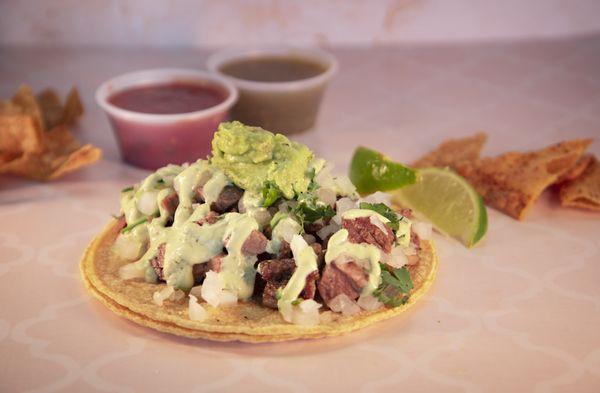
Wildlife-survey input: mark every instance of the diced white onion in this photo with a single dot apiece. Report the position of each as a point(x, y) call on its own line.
point(127, 247)
point(343, 304)
point(378, 197)
point(146, 203)
point(344, 185)
point(262, 216)
point(369, 302)
point(307, 313)
point(159, 296)
point(397, 258)
point(344, 204)
point(324, 178)
point(213, 293)
point(130, 271)
point(287, 228)
point(422, 229)
point(195, 311)
point(326, 195)
point(327, 230)
point(286, 206)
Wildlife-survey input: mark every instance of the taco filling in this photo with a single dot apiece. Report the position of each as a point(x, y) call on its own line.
point(263, 220)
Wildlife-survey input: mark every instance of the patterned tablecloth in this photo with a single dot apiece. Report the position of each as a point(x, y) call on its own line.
point(519, 313)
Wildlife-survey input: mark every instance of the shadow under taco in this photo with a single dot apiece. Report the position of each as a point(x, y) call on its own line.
point(259, 243)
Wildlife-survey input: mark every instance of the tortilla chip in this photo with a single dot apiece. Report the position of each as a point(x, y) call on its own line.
point(64, 156)
point(73, 108)
point(244, 321)
point(453, 151)
point(583, 191)
point(576, 170)
point(19, 134)
point(25, 100)
point(53, 111)
point(512, 182)
point(34, 139)
point(51, 107)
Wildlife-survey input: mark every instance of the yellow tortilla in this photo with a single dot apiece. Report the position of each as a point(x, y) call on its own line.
point(245, 321)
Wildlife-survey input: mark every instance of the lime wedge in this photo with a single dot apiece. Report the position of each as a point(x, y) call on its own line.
point(371, 171)
point(445, 199)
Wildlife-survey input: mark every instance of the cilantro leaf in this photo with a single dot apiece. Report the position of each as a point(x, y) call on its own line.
point(134, 224)
point(270, 193)
point(309, 209)
point(385, 211)
point(395, 286)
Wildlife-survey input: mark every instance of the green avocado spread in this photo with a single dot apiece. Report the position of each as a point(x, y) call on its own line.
point(252, 157)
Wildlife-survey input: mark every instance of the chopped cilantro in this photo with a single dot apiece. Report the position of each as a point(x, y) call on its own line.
point(129, 227)
point(127, 189)
point(309, 209)
point(385, 211)
point(297, 301)
point(160, 181)
point(395, 286)
point(270, 193)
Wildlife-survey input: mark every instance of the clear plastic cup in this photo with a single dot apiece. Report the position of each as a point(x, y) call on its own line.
point(151, 141)
point(285, 107)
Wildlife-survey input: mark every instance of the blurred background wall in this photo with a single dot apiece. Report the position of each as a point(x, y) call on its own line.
point(188, 23)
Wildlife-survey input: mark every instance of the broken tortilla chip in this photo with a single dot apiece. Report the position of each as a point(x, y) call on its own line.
point(19, 134)
point(26, 102)
point(453, 151)
point(512, 182)
point(576, 170)
point(583, 191)
point(51, 107)
point(73, 108)
point(53, 111)
point(34, 139)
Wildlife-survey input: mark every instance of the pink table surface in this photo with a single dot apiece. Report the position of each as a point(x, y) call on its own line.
point(521, 312)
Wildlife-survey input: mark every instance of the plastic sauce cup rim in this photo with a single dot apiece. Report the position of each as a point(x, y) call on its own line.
point(155, 76)
point(219, 58)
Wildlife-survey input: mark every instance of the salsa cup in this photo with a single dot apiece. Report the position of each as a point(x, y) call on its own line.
point(285, 107)
point(149, 140)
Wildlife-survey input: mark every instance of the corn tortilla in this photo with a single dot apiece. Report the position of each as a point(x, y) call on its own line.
point(245, 321)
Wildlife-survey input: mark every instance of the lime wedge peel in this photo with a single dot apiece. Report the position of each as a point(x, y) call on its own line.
point(371, 171)
point(448, 201)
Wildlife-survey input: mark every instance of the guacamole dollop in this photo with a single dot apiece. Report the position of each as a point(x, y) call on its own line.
point(252, 157)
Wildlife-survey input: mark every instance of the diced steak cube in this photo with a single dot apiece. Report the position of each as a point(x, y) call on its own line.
point(255, 243)
point(199, 270)
point(362, 230)
point(210, 218)
point(157, 262)
point(170, 203)
point(228, 198)
point(276, 273)
point(344, 278)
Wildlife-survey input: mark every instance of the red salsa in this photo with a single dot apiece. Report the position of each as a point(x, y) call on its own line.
point(169, 98)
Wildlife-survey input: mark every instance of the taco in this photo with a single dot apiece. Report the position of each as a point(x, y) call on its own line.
point(259, 242)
